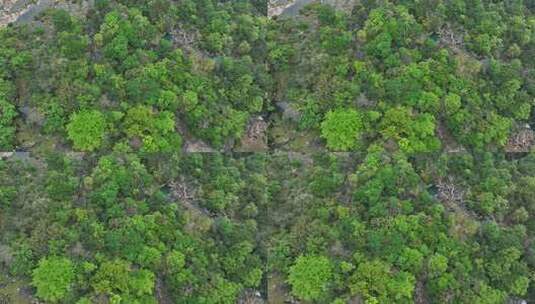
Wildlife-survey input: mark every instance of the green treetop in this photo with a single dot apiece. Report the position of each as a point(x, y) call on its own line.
point(310, 276)
point(87, 129)
point(341, 128)
point(53, 278)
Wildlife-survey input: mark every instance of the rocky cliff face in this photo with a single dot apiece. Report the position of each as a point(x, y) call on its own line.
point(10, 10)
point(25, 10)
point(277, 7)
point(292, 7)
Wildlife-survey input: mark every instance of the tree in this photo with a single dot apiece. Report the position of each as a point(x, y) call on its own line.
point(53, 278)
point(156, 130)
point(149, 257)
point(413, 132)
point(112, 277)
point(310, 276)
point(223, 291)
point(341, 128)
point(118, 279)
point(377, 283)
point(410, 260)
point(7, 131)
point(7, 115)
point(175, 261)
point(452, 103)
point(87, 129)
point(437, 265)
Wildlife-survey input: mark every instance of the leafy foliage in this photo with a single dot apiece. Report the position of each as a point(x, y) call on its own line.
point(310, 277)
point(341, 128)
point(53, 278)
point(87, 130)
point(156, 130)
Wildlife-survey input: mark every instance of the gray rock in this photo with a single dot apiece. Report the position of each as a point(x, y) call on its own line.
point(197, 146)
point(32, 115)
point(26, 10)
point(288, 111)
point(292, 7)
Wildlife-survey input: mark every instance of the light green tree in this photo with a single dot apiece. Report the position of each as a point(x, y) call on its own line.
point(310, 276)
point(86, 129)
point(53, 278)
point(342, 129)
point(377, 283)
point(156, 130)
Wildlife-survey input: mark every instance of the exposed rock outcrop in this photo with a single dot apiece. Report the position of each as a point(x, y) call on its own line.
point(10, 10)
point(255, 137)
point(26, 10)
point(523, 140)
point(292, 7)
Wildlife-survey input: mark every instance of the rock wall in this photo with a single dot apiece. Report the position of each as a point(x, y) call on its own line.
point(25, 10)
point(292, 7)
point(10, 10)
point(277, 7)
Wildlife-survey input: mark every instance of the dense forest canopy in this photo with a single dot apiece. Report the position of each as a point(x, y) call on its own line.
point(199, 151)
